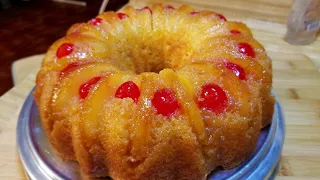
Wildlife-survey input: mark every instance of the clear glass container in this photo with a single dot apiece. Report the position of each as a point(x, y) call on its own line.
point(303, 22)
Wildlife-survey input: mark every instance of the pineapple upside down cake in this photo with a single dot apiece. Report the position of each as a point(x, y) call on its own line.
point(155, 93)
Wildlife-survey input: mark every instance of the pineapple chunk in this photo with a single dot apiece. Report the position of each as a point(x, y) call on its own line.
point(94, 103)
point(84, 47)
point(66, 99)
point(210, 73)
point(186, 98)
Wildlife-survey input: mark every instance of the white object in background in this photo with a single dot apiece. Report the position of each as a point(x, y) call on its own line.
point(103, 6)
point(303, 22)
point(79, 3)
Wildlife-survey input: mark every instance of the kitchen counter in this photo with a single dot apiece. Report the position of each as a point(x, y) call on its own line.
point(296, 81)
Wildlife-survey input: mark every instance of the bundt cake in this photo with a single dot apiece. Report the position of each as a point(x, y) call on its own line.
point(155, 93)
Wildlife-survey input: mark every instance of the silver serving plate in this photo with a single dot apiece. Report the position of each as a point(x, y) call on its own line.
point(40, 162)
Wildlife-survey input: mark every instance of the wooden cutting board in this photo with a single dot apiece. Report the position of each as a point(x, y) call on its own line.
point(296, 82)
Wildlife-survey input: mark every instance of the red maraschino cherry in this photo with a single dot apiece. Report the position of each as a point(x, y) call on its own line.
point(128, 90)
point(165, 102)
point(213, 98)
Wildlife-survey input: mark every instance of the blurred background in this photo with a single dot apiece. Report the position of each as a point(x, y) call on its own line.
point(29, 27)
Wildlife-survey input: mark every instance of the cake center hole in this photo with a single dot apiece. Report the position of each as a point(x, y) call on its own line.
point(154, 55)
point(149, 60)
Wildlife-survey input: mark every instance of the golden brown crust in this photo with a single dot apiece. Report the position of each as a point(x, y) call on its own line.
point(130, 140)
point(91, 163)
point(267, 112)
point(58, 132)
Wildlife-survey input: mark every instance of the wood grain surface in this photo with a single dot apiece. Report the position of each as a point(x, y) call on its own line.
point(296, 82)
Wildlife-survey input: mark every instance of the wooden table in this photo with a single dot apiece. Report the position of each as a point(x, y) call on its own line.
point(296, 82)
